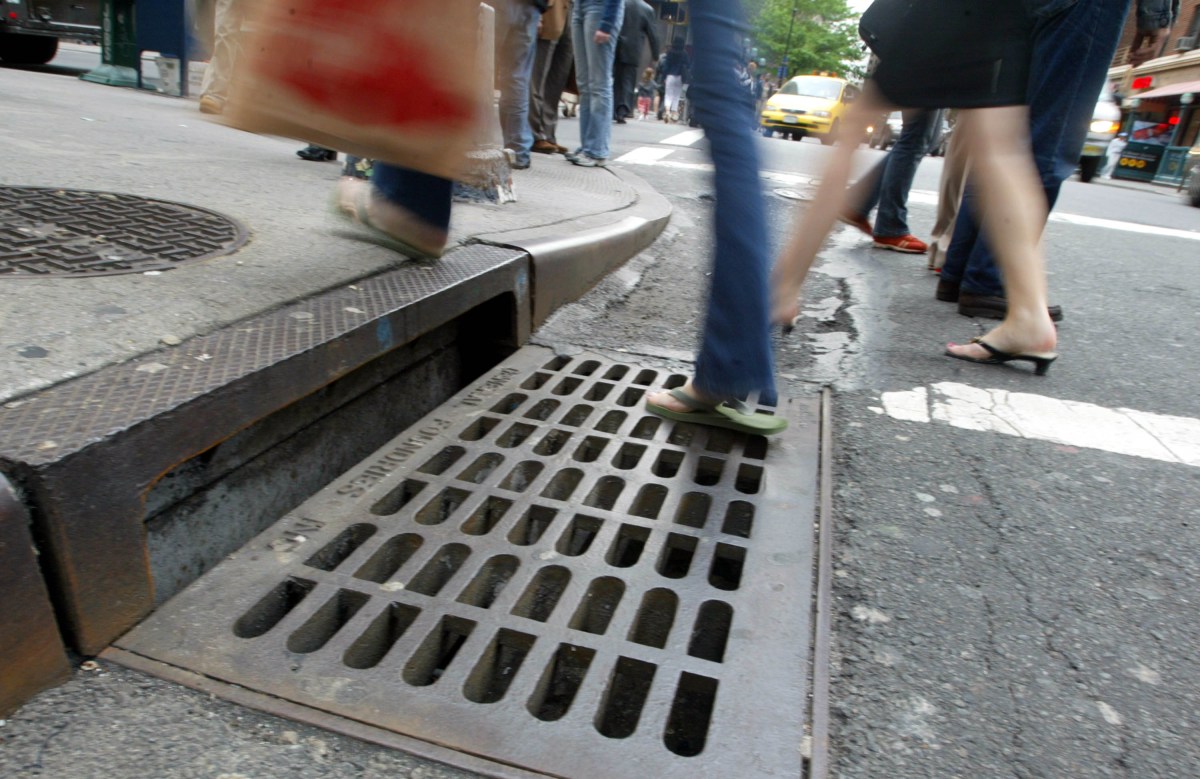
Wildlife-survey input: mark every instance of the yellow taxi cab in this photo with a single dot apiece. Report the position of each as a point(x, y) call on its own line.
point(812, 104)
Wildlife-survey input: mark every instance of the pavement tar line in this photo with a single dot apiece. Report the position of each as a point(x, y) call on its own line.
point(1036, 417)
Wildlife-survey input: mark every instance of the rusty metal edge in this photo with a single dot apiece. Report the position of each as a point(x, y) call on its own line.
point(279, 707)
point(818, 767)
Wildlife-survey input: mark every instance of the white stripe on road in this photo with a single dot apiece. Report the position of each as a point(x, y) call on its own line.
point(647, 155)
point(684, 138)
point(1122, 430)
point(928, 198)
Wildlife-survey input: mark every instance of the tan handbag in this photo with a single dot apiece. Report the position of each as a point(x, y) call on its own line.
point(555, 20)
point(387, 81)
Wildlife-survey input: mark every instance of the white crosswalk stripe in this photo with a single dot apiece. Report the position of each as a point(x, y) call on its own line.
point(1072, 423)
point(650, 155)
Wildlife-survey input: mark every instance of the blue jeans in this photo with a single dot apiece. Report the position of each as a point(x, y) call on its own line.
point(593, 72)
point(516, 45)
point(1073, 47)
point(888, 183)
point(735, 351)
point(421, 194)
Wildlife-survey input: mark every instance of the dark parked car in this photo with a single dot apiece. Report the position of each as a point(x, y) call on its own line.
point(29, 32)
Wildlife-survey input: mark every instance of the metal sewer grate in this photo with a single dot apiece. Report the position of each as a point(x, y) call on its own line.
point(542, 574)
point(69, 232)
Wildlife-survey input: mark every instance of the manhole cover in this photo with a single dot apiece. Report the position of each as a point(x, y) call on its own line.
point(537, 573)
point(70, 232)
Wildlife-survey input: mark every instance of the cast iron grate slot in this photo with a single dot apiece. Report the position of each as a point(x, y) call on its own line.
point(532, 526)
point(389, 558)
point(398, 498)
point(649, 501)
point(478, 471)
point(522, 476)
point(739, 519)
point(691, 713)
point(693, 510)
point(627, 547)
point(435, 654)
point(599, 603)
point(579, 535)
point(273, 607)
point(539, 553)
point(335, 552)
point(711, 632)
point(560, 682)
point(438, 572)
point(515, 435)
point(487, 516)
point(378, 639)
point(442, 461)
point(542, 596)
point(624, 697)
point(491, 580)
point(326, 622)
point(676, 556)
point(727, 565)
point(655, 617)
point(498, 666)
point(442, 507)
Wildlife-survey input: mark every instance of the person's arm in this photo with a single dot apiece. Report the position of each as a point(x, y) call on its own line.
point(608, 22)
point(651, 34)
point(1154, 20)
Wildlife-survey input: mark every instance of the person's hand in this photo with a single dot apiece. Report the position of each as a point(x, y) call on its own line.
point(1146, 45)
point(601, 37)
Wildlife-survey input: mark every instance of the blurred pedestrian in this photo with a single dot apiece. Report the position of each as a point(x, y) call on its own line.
point(228, 16)
point(646, 90)
point(594, 28)
point(404, 209)
point(552, 66)
point(735, 360)
point(675, 72)
point(1113, 155)
point(977, 58)
point(888, 183)
point(1072, 49)
point(516, 39)
point(637, 29)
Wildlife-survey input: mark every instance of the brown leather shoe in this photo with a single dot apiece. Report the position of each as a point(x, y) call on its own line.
point(545, 147)
point(947, 291)
point(561, 149)
point(992, 306)
point(211, 104)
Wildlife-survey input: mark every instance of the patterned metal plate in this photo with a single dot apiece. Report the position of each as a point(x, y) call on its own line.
point(70, 232)
point(542, 574)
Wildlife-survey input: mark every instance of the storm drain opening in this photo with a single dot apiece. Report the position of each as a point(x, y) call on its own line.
point(604, 593)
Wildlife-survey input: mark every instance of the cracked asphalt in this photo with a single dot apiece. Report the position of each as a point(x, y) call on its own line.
point(1005, 607)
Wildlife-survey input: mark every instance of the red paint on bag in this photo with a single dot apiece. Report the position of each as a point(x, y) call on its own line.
point(386, 80)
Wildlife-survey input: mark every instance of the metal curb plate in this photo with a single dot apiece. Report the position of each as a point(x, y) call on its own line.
point(542, 574)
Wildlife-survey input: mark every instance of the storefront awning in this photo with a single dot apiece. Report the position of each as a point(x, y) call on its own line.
point(1170, 90)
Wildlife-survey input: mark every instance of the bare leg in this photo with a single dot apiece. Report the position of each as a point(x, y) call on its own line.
point(1013, 211)
point(818, 219)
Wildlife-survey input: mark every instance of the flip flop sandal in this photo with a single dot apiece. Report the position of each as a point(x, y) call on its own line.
point(356, 211)
point(729, 414)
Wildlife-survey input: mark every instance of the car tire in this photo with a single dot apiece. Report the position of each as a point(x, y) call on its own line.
point(828, 138)
point(1088, 168)
point(1194, 188)
point(19, 49)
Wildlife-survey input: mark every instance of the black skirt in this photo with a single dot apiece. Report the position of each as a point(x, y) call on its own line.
point(950, 53)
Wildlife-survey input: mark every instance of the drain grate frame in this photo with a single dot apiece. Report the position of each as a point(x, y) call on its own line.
point(51, 232)
point(540, 574)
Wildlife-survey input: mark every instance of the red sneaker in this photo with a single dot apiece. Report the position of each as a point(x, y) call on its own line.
point(902, 243)
point(856, 220)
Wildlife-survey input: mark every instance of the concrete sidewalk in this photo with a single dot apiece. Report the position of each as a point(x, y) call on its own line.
point(569, 227)
point(61, 132)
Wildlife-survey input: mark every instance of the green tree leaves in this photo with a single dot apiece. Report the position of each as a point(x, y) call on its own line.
point(824, 35)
